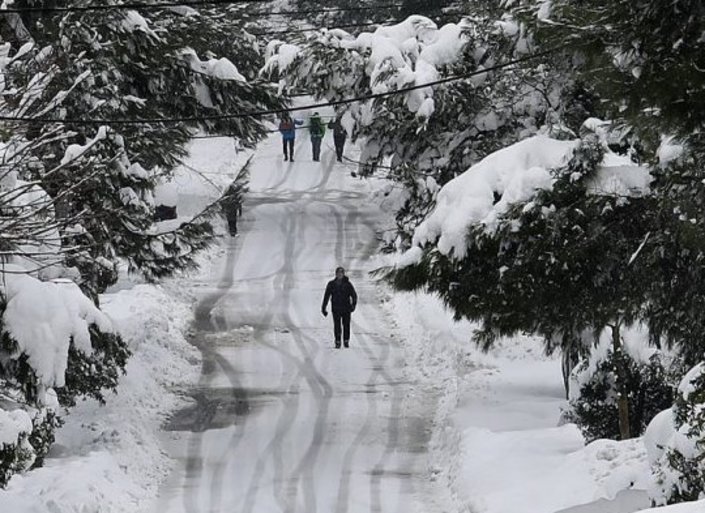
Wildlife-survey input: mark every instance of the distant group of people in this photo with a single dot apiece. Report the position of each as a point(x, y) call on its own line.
point(317, 130)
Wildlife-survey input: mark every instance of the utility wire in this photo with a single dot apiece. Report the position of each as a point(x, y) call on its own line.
point(252, 114)
point(126, 5)
point(185, 3)
point(351, 25)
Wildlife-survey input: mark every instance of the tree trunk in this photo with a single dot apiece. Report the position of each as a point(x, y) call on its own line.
point(622, 393)
point(569, 359)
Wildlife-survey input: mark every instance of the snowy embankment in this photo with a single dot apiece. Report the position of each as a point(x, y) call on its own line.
point(110, 458)
point(497, 443)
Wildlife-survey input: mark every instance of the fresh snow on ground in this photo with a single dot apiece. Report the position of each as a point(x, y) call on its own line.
point(498, 443)
point(688, 507)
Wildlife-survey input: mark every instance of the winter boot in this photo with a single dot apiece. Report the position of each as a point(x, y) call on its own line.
point(346, 343)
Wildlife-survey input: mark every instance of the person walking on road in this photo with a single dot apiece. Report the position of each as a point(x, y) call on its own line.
point(287, 127)
point(340, 135)
point(231, 203)
point(317, 130)
point(343, 300)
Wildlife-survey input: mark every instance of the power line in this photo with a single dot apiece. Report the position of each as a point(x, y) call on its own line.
point(185, 3)
point(252, 114)
point(127, 5)
point(351, 25)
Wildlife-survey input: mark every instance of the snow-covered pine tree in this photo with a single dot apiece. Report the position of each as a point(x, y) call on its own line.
point(76, 195)
point(53, 340)
point(428, 136)
point(555, 263)
point(135, 68)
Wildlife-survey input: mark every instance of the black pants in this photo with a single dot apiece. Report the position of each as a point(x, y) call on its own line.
point(316, 147)
point(341, 322)
point(339, 148)
point(232, 222)
point(288, 145)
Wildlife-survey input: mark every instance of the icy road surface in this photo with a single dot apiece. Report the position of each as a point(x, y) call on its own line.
point(281, 421)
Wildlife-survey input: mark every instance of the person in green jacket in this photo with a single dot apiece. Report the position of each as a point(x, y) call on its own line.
point(317, 130)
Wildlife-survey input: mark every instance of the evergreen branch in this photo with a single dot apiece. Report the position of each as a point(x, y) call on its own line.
point(270, 112)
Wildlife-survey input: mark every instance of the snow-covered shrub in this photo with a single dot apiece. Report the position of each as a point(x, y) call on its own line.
point(593, 404)
point(675, 441)
point(25, 438)
point(91, 374)
point(55, 346)
point(16, 453)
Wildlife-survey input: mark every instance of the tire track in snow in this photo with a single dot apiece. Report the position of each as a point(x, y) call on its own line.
point(290, 407)
point(378, 363)
point(204, 324)
point(320, 387)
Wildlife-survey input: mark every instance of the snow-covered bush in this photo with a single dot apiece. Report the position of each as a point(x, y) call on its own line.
point(26, 434)
point(593, 403)
point(55, 346)
point(16, 453)
point(675, 441)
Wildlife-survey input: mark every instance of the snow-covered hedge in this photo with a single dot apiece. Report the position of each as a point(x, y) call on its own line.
point(675, 441)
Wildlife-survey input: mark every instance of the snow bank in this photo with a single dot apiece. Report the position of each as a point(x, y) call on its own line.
point(514, 174)
point(496, 446)
point(109, 459)
point(527, 471)
point(93, 483)
point(44, 317)
point(688, 507)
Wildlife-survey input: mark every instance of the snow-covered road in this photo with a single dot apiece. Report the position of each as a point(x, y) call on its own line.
point(282, 421)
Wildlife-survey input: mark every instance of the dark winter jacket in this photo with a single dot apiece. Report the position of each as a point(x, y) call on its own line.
point(288, 129)
point(316, 127)
point(231, 202)
point(342, 295)
point(339, 133)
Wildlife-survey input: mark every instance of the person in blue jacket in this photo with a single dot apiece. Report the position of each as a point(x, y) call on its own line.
point(287, 127)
